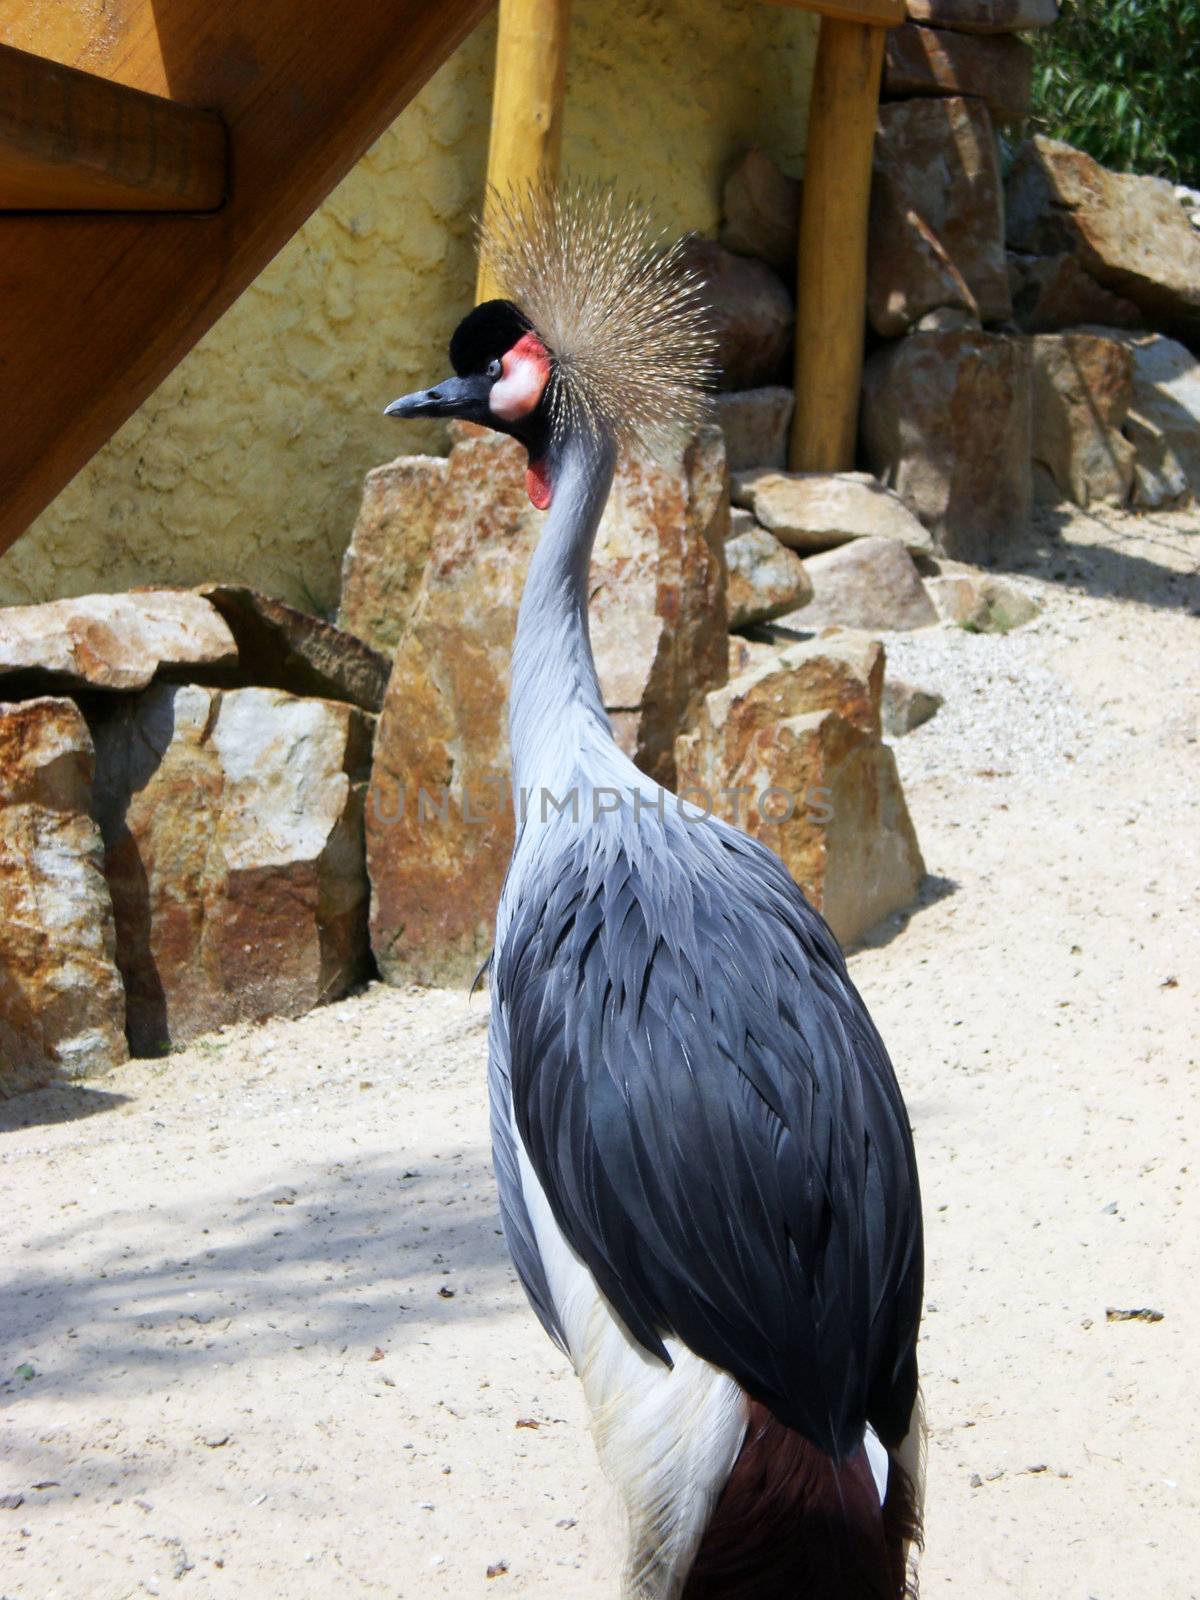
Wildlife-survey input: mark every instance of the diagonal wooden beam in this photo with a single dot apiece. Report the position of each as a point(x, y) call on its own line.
point(71, 141)
point(98, 308)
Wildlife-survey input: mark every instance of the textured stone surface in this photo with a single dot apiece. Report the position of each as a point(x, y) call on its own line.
point(232, 824)
point(762, 212)
point(62, 1008)
point(791, 751)
point(813, 511)
point(1082, 387)
point(658, 628)
point(403, 502)
point(1053, 293)
point(981, 602)
point(871, 583)
point(247, 463)
point(281, 648)
point(111, 641)
point(1130, 233)
point(937, 223)
point(765, 578)
point(985, 16)
point(751, 311)
point(998, 71)
point(946, 422)
point(905, 707)
point(1164, 420)
point(755, 423)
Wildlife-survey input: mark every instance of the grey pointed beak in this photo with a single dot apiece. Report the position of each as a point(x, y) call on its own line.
point(453, 397)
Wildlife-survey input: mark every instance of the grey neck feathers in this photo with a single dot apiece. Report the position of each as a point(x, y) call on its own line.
point(556, 708)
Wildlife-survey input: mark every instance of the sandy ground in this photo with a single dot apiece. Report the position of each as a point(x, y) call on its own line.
point(260, 1338)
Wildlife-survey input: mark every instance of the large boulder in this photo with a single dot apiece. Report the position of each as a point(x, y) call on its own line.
point(937, 223)
point(762, 212)
point(1082, 387)
point(755, 423)
point(281, 648)
point(869, 584)
point(62, 1009)
point(813, 511)
point(946, 422)
point(751, 312)
point(1129, 233)
point(1163, 423)
point(112, 641)
point(232, 826)
point(985, 16)
point(1053, 293)
point(937, 61)
point(791, 752)
point(439, 816)
point(402, 507)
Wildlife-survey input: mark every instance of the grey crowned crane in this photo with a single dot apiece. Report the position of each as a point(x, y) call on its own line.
point(706, 1172)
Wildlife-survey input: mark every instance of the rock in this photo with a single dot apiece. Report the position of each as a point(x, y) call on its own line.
point(1053, 293)
point(751, 312)
point(659, 633)
point(981, 602)
point(111, 641)
point(281, 648)
point(905, 707)
point(755, 423)
point(762, 212)
point(946, 422)
point(232, 825)
point(791, 752)
point(765, 579)
point(936, 61)
point(1164, 420)
point(869, 584)
point(1127, 232)
point(937, 224)
point(945, 319)
point(62, 1008)
point(985, 16)
point(746, 653)
point(402, 507)
point(813, 511)
point(1082, 387)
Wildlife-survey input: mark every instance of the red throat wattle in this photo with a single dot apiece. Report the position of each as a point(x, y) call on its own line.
point(537, 483)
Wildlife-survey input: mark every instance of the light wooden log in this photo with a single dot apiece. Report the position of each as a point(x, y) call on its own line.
point(831, 274)
point(881, 13)
point(98, 308)
point(70, 141)
point(527, 103)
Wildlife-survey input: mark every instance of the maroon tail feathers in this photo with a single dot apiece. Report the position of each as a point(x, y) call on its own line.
point(791, 1522)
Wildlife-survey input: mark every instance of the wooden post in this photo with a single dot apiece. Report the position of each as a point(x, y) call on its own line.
point(527, 103)
point(831, 273)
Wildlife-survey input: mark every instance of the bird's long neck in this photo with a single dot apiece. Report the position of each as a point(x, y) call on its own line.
point(556, 704)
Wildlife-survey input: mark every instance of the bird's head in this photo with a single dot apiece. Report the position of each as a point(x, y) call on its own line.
point(501, 380)
point(604, 337)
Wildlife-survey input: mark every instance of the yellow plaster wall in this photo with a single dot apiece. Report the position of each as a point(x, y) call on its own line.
point(245, 465)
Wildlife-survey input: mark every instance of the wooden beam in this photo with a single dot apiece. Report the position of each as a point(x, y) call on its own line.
point(879, 13)
point(527, 103)
point(70, 141)
point(99, 308)
point(831, 275)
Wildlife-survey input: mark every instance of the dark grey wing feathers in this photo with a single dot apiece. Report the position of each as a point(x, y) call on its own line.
point(716, 1124)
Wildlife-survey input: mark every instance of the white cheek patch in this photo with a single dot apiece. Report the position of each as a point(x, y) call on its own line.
point(519, 388)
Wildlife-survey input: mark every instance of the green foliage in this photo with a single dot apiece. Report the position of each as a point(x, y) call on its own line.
point(1121, 79)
